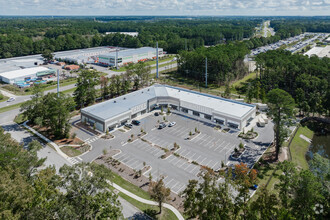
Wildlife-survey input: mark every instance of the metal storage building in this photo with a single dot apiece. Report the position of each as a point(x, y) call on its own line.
point(205, 107)
point(14, 76)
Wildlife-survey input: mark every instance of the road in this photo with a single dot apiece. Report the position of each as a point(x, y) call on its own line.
point(20, 99)
point(53, 158)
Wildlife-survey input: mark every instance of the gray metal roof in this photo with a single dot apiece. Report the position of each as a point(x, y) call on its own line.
point(131, 52)
point(114, 107)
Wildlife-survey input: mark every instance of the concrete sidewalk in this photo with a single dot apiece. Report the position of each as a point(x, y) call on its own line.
point(148, 202)
point(58, 150)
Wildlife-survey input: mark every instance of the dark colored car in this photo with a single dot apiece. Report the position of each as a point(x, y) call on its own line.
point(136, 122)
point(156, 114)
point(254, 187)
point(161, 126)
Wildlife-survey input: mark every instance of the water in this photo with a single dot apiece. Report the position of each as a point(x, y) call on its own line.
point(321, 140)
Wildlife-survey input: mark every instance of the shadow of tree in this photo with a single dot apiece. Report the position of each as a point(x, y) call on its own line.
point(151, 212)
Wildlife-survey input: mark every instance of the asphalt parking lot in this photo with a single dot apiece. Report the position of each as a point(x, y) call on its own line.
point(209, 148)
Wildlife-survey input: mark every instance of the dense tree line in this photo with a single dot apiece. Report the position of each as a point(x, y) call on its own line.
point(29, 192)
point(24, 36)
point(224, 63)
point(135, 77)
point(51, 111)
point(306, 79)
point(302, 194)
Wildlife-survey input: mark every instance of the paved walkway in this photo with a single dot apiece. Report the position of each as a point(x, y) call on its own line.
point(145, 201)
point(58, 150)
point(148, 202)
point(305, 138)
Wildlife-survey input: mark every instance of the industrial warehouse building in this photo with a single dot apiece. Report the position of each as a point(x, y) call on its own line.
point(20, 76)
point(129, 56)
point(88, 55)
point(213, 109)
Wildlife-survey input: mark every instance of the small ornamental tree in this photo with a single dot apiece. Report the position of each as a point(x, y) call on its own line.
point(241, 145)
point(159, 192)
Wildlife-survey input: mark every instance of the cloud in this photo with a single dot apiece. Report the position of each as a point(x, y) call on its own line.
point(162, 7)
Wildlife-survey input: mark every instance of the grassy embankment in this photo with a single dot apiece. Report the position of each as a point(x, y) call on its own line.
point(122, 69)
point(17, 91)
point(148, 209)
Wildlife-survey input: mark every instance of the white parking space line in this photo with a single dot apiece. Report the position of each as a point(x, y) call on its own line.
point(197, 158)
point(166, 184)
point(177, 162)
point(214, 165)
point(175, 184)
point(183, 162)
point(182, 187)
point(203, 160)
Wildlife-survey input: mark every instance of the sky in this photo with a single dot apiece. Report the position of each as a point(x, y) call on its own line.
point(166, 7)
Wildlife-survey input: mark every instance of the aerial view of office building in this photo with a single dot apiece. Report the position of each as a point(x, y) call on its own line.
point(209, 108)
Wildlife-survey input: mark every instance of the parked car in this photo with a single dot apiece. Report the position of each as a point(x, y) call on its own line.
point(172, 124)
point(161, 126)
point(136, 122)
point(11, 99)
point(128, 125)
point(254, 187)
point(156, 114)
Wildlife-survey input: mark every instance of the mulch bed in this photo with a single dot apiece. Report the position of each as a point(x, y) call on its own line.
point(87, 127)
point(46, 131)
point(128, 174)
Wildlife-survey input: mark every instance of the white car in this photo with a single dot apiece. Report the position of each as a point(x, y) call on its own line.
point(172, 124)
point(11, 99)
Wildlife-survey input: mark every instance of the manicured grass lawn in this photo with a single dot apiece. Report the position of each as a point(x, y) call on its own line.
point(5, 98)
point(165, 64)
point(150, 210)
point(70, 151)
point(129, 186)
point(121, 69)
point(69, 90)
point(299, 147)
point(10, 107)
point(19, 119)
point(66, 83)
point(15, 90)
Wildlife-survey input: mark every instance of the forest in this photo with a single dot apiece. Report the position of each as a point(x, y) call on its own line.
point(306, 79)
point(21, 36)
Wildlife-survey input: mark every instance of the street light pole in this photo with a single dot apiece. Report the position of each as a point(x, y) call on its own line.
point(58, 83)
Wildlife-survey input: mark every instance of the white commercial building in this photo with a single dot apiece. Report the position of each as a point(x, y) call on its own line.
point(88, 55)
point(205, 107)
point(133, 34)
point(129, 56)
point(20, 75)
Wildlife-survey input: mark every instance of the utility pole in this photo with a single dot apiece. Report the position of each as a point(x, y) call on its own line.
point(58, 83)
point(185, 44)
point(116, 62)
point(206, 72)
point(157, 73)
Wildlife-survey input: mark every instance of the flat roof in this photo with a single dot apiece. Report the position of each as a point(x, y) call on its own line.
point(23, 72)
point(114, 107)
point(131, 52)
